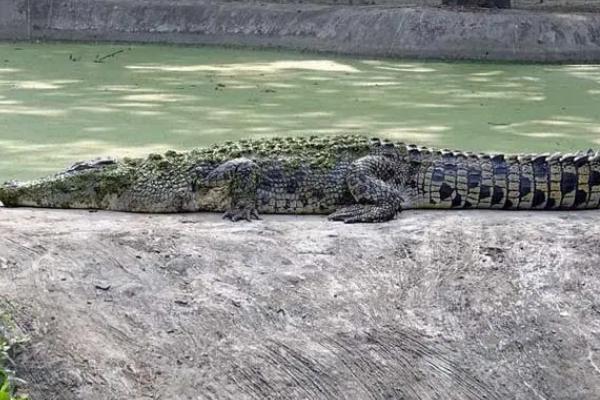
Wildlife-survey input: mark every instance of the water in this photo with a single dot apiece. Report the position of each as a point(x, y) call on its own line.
point(61, 103)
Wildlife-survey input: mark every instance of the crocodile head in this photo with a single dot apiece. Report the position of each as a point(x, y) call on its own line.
point(90, 184)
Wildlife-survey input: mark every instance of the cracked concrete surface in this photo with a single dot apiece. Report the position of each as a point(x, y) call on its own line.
point(451, 304)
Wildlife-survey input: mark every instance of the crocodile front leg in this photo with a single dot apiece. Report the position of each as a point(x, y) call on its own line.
point(370, 181)
point(241, 174)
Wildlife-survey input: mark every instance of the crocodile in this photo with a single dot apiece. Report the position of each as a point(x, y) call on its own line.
point(350, 177)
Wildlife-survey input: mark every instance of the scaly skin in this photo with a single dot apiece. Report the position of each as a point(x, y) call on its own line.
point(352, 178)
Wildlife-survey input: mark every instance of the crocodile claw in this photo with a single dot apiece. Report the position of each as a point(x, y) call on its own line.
point(241, 213)
point(363, 213)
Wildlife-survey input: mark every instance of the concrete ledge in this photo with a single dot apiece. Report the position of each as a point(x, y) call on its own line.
point(366, 31)
point(456, 305)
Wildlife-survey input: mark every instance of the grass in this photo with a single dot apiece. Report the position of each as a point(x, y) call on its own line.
point(7, 345)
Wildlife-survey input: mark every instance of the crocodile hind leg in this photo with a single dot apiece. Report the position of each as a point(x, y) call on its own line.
point(241, 175)
point(370, 181)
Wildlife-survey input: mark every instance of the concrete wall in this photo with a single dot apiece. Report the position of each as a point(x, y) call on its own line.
point(367, 31)
point(14, 22)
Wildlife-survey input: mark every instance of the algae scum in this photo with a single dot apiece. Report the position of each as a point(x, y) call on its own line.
point(60, 103)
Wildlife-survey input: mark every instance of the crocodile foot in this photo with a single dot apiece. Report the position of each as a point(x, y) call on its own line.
point(239, 213)
point(364, 213)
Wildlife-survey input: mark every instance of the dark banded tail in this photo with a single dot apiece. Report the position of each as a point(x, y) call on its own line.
point(525, 182)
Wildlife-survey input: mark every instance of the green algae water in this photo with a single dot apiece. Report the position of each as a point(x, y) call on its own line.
point(61, 103)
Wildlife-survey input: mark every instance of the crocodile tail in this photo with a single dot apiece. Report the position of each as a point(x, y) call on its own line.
point(569, 181)
point(549, 182)
point(526, 182)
